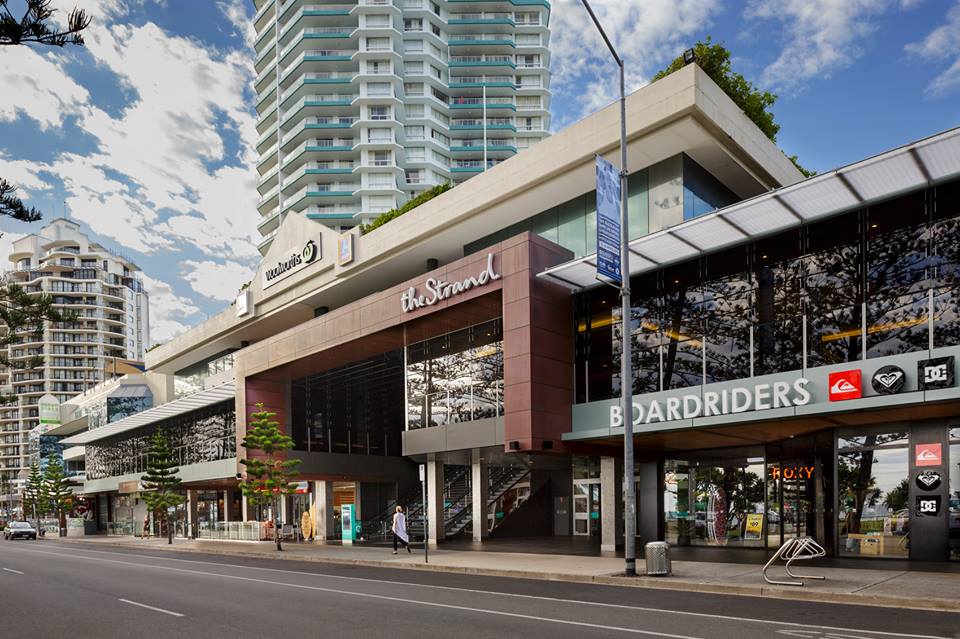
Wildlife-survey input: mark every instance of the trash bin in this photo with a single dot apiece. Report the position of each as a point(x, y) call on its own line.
point(657, 557)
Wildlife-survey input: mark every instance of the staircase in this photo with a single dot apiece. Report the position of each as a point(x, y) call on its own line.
point(457, 503)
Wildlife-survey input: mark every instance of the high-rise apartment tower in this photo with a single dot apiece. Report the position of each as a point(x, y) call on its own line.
point(362, 105)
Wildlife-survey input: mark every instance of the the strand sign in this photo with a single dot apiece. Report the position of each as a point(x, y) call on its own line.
point(714, 403)
point(439, 289)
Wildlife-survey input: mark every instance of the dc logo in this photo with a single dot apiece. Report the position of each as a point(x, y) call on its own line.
point(935, 374)
point(928, 506)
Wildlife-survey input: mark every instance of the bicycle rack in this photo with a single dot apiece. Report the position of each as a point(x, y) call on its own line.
point(798, 548)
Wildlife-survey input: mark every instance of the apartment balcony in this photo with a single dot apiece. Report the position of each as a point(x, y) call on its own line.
point(492, 18)
point(472, 166)
point(316, 15)
point(316, 104)
point(481, 81)
point(481, 61)
point(268, 201)
point(300, 154)
point(513, 3)
point(324, 59)
point(469, 103)
point(481, 40)
point(312, 169)
point(307, 38)
point(332, 213)
point(264, 245)
point(270, 222)
point(476, 126)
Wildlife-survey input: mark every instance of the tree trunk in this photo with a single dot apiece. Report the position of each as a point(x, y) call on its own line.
point(169, 530)
point(276, 524)
point(62, 522)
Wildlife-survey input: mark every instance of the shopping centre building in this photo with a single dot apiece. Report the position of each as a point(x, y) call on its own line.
point(793, 351)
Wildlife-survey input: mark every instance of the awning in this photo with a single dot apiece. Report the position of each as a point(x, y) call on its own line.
point(916, 165)
point(202, 399)
point(74, 453)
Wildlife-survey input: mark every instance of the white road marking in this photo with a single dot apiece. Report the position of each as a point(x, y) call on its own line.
point(16, 572)
point(155, 609)
point(483, 592)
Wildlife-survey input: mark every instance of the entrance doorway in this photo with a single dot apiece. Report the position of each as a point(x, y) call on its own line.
point(799, 490)
point(586, 507)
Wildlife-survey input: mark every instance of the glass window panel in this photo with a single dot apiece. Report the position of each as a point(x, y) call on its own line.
point(571, 227)
point(874, 508)
point(859, 439)
point(953, 511)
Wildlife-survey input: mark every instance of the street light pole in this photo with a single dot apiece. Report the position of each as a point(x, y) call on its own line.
point(626, 376)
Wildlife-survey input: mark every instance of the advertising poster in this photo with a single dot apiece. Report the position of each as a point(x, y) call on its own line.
point(608, 222)
point(754, 526)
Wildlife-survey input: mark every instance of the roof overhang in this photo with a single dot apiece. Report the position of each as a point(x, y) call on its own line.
point(917, 165)
point(201, 399)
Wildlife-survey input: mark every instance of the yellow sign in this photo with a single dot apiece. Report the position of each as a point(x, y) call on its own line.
point(754, 526)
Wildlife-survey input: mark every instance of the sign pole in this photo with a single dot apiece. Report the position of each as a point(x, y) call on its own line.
point(426, 520)
point(626, 375)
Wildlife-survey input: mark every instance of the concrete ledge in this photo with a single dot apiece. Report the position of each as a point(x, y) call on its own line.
point(663, 583)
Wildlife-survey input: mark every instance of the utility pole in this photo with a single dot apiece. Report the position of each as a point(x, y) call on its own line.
point(626, 375)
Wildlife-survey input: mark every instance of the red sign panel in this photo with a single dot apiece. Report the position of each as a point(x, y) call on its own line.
point(845, 385)
point(929, 455)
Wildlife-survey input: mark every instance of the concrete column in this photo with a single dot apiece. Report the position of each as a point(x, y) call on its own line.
point(435, 502)
point(323, 504)
point(611, 498)
point(283, 510)
point(192, 520)
point(245, 508)
point(480, 488)
point(226, 505)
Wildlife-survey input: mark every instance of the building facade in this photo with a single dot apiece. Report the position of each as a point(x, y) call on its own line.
point(362, 106)
point(107, 339)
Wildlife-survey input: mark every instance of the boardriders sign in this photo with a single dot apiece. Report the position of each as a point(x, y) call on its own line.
point(725, 402)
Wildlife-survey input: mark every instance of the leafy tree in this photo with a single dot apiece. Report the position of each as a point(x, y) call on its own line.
point(23, 314)
point(714, 59)
point(57, 493)
point(269, 474)
point(161, 481)
point(5, 493)
point(34, 494)
point(12, 206)
point(426, 196)
point(35, 25)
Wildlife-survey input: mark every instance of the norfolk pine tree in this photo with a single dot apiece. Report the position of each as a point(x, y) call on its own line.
point(268, 476)
point(161, 481)
point(33, 495)
point(57, 493)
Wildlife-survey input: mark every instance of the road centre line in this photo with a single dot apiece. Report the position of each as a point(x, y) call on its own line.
point(166, 612)
point(500, 594)
point(16, 572)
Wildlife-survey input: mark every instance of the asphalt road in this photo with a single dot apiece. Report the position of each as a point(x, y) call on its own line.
point(56, 590)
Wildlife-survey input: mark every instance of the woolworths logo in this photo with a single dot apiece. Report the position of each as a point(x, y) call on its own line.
point(297, 260)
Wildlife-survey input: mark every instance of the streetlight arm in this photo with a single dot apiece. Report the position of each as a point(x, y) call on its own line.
point(603, 33)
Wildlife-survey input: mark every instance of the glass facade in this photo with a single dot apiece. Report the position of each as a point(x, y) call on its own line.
point(191, 379)
point(204, 435)
point(953, 510)
point(873, 493)
point(662, 195)
point(457, 377)
point(869, 283)
point(353, 409)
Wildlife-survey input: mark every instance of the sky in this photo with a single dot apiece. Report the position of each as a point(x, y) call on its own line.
point(145, 135)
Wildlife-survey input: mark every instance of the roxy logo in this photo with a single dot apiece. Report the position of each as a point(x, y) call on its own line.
point(888, 380)
point(845, 385)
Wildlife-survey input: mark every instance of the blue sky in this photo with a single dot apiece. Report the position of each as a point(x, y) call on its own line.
point(146, 132)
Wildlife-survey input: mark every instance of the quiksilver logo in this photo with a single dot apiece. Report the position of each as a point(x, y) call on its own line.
point(843, 386)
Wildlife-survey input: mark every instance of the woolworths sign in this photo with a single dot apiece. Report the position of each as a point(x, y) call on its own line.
point(292, 261)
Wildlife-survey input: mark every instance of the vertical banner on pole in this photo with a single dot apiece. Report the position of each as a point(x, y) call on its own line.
point(608, 223)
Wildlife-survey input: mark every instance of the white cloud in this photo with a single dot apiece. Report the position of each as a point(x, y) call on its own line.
point(165, 153)
point(820, 36)
point(36, 86)
point(236, 11)
point(646, 34)
point(217, 280)
point(167, 310)
point(943, 43)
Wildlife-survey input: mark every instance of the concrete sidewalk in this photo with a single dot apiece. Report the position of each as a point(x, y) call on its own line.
point(873, 587)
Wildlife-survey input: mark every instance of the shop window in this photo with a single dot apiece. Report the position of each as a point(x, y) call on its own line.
point(728, 301)
point(682, 327)
point(777, 313)
point(715, 500)
point(873, 494)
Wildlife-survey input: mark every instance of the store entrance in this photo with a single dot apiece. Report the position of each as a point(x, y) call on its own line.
point(586, 507)
point(799, 486)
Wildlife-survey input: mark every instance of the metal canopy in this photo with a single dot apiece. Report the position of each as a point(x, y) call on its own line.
point(131, 390)
point(202, 399)
point(916, 165)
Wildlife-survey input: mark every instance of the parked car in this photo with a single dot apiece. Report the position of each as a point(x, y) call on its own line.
point(22, 529)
